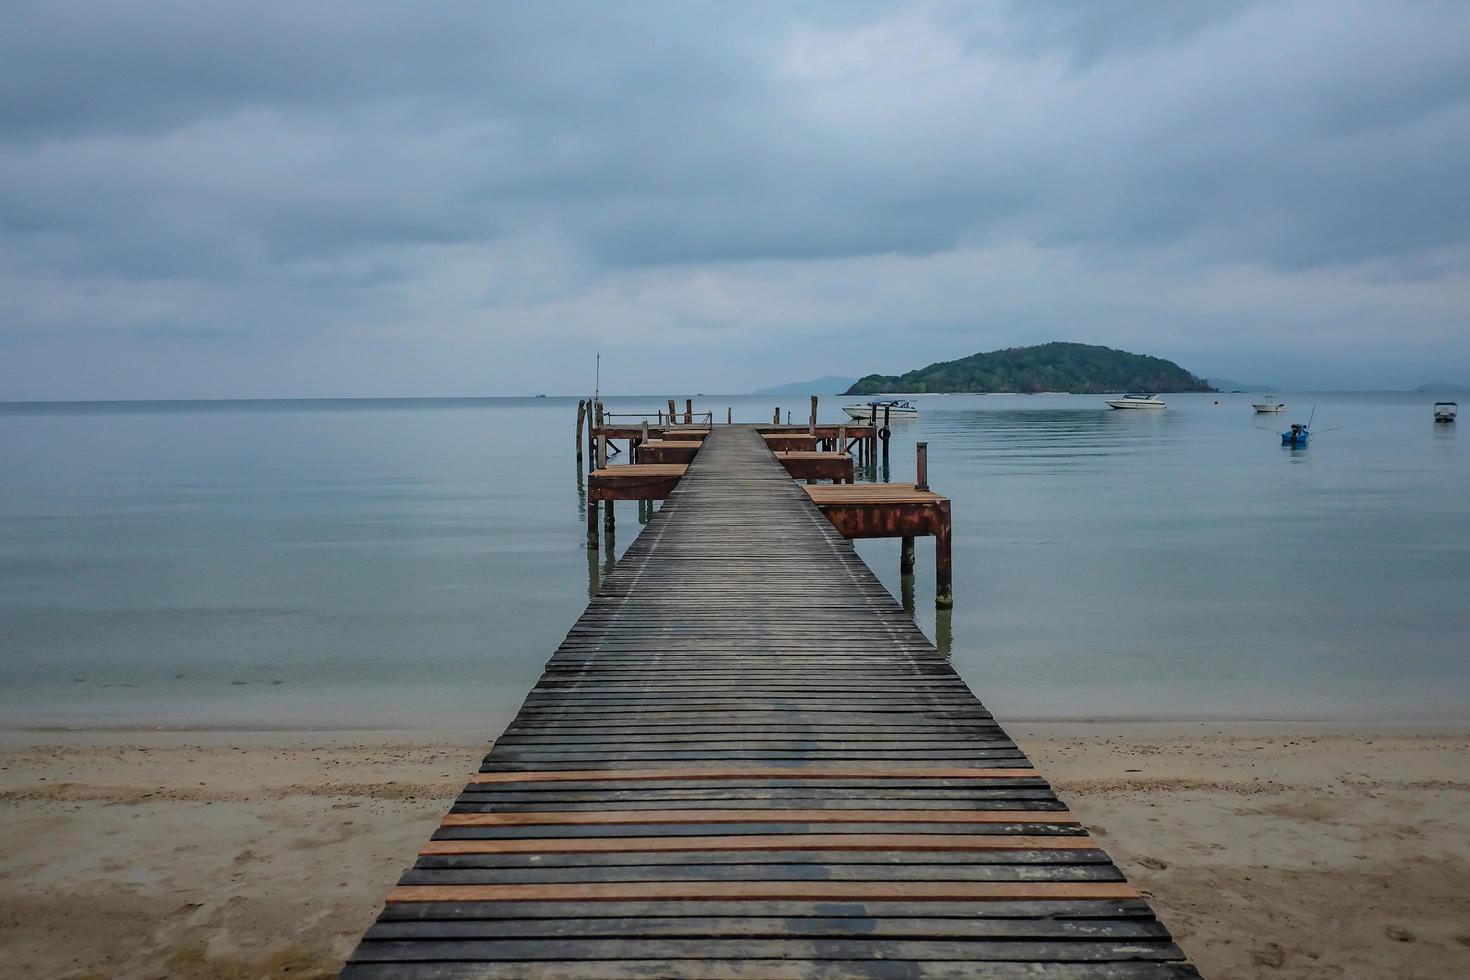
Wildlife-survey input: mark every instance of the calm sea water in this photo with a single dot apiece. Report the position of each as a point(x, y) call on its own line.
point(412, 563)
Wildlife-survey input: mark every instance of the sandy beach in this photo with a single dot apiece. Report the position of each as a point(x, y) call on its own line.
point(1269, 850)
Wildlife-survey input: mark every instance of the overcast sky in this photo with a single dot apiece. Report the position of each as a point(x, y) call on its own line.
point(260, 199)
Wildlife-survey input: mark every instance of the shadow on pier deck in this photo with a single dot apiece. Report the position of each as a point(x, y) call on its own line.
point(745, 761)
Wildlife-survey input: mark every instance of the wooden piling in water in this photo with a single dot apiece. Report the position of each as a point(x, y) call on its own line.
point(594, 420)
point(883, 435)
point(581, 418)
point(943, 570)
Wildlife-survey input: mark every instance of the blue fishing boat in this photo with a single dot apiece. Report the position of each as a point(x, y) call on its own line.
point(1297, 435)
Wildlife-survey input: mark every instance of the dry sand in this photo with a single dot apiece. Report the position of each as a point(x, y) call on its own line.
point(1269, 855)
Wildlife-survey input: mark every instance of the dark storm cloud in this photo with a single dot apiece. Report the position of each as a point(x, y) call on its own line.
point(295, 167)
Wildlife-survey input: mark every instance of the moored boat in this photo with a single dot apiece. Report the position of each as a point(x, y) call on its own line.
point(1297, 435)
point(897, 408)
point(1269, 406)
point(1136, 401)
point(1445, 411)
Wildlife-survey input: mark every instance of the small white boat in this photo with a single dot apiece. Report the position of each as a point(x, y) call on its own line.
point(1269, 406)
point(1136, 401)
point(896, 408)
point(1445, 411)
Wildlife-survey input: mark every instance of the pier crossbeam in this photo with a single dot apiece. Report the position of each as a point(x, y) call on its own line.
point(746, 761)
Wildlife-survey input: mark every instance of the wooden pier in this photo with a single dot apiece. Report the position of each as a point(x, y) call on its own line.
point(745, 761)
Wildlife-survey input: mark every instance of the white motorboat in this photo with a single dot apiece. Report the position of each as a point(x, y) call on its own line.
point(1269, 406)
point(1445, 411)
point(896, 408)
point(1136, 401)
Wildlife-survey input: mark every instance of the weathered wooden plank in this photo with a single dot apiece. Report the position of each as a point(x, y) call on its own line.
point(758, 969)
point(796, 909)
point(703, 926)
point(892, 857)
point(756, 842)
point(765, 815)
point(570, 948)
point(751, 772)
point(774, 825)
point(757, 870)
point(837, 891)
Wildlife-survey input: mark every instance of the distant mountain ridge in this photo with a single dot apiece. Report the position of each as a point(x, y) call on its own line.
point(827, 384)
point(1057, 366)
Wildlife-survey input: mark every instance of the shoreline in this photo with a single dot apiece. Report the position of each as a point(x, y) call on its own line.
point(1021, 728)
point(1286, 853)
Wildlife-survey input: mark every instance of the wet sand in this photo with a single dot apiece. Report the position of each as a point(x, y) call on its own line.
point(1310, 855)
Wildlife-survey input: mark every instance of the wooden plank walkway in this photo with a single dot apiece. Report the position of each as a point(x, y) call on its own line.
point(746, 761)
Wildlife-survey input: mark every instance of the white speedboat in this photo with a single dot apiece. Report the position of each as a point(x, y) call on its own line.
point(1445, 411)
point(1136, 401)
point(896, 408)
point(1269, 406)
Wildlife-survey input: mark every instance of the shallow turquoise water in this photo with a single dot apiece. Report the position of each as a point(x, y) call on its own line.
point(414, 563)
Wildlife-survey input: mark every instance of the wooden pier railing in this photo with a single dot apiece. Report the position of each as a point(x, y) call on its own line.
point(745, 761)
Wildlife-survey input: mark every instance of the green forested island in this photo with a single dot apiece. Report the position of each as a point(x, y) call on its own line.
point(1058, 366)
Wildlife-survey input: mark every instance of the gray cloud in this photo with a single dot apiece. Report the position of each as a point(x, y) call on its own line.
point(349, 179)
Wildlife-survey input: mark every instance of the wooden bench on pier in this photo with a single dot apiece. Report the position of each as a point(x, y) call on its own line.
point(858, 436)
point(790, 441)
point(803, 465)
point(667, 451)
point(631, 432)
point(893, 510)
point(636, 481)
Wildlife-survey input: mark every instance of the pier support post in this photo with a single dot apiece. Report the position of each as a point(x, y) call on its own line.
point(689, 411)
point(581, 420)
point(594, 419)
point(673, 413)
point(872, 437)
point(943, 584)
point(776, 416)
point(729, 415)
point(609, 518)
point(812, 425)
point(906, 556)
point(922, 483)
point(883, 434)
point(591, 525)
